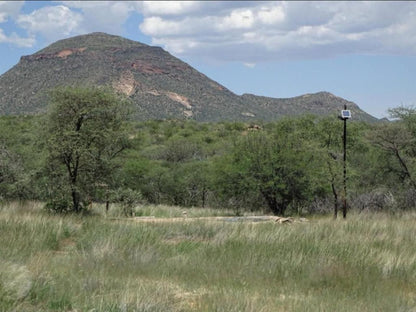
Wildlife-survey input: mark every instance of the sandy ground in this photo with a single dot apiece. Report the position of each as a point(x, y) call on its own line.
point(251, 219)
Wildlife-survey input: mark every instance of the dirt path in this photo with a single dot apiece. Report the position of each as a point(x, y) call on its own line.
point(251, 219)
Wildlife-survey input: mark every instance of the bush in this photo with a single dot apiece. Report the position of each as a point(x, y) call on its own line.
point(128, 199)
point(321, 206)
point(375, 200)
point(406, 199)
point(58, 205)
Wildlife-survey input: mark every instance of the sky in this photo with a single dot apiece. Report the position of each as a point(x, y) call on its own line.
point(364, 52)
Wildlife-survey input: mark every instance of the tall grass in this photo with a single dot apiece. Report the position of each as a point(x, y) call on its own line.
point(162, 211)
point(70, 263)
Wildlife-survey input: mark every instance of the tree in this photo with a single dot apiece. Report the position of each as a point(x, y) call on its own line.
point(329, 136)
point(395, 146)
point(128, 199)
point(278, 168)
point(406, 115)
point(10, 173)
point(85, 134)
point(398, 142)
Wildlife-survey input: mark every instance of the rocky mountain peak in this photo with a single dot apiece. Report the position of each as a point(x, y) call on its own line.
point(160, 85)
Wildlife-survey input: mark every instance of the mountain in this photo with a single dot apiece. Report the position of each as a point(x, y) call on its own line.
point(161, 85)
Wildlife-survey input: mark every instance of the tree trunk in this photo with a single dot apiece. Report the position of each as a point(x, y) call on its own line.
point(334, 192)
point(203, 196)
point(404, 167)
point(273, 205)
point(76, 200)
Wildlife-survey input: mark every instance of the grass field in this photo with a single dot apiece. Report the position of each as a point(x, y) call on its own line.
point(97, 263)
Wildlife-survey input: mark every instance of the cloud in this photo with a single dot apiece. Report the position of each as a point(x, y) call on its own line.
point(250, 65)
point(9, 8)
point(245, 31)
point(159, 27)
point(103, 16)
point(62, 19)
point(271, 15)
point(51, 22)
point(251, 32)
point(237, 19)
point(16, 40)
point(172, 8)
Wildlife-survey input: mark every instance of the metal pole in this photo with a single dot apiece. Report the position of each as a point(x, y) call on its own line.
point(344, 208)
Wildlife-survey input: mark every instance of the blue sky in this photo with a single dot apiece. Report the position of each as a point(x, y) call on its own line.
point(362, 51)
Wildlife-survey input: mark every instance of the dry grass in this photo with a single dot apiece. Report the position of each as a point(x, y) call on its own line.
point(71, 263)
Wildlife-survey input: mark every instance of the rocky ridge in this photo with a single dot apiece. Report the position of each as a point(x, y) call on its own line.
point(160, 85)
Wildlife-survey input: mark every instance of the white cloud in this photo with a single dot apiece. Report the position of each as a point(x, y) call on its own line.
point(84, 4)
point(9, 8)
point(237, 19)
point(368, 16)
point(62, 19)
point(16, 40)
point(168, 7)
point(159, 27)
point(309, 13)
point(271, 15)
point(250, 65)
point(245, 31)
point(250, 32)
point(103, 16)
point(51, 22)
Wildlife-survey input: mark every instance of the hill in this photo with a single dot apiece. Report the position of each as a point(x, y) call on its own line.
point(161, 85)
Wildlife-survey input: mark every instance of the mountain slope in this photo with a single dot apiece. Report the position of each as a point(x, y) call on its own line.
point(321, 103)
point(160, 85)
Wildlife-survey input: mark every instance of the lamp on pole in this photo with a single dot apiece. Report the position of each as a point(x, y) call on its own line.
point(345, 115)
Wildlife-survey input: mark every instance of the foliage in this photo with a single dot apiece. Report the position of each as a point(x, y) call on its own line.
point(292, 166)
point(85, 133)
point(396, 163)
point(128, 199)
point(10, 174)
point(22, 157)
point(277, 168)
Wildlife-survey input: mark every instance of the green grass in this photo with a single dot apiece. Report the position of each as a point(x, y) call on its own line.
point(72, 263)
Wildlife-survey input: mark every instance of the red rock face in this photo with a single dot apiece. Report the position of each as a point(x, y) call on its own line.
point(61, 54)
point(148, 68)
point(67, 52)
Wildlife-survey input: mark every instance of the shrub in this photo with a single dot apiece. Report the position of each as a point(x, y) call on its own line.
point(375, 200)
point(128, 199)
point(58, 205)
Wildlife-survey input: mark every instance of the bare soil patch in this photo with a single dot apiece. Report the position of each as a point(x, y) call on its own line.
point(251, 219)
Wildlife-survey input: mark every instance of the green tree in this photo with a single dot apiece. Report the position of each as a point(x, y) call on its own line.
point(397, 141)
point(329, 137)
point(21, 171)
point(85, 134)
point(277, 168)
point(398, 144)
point(10, 173)
point(128, 199)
